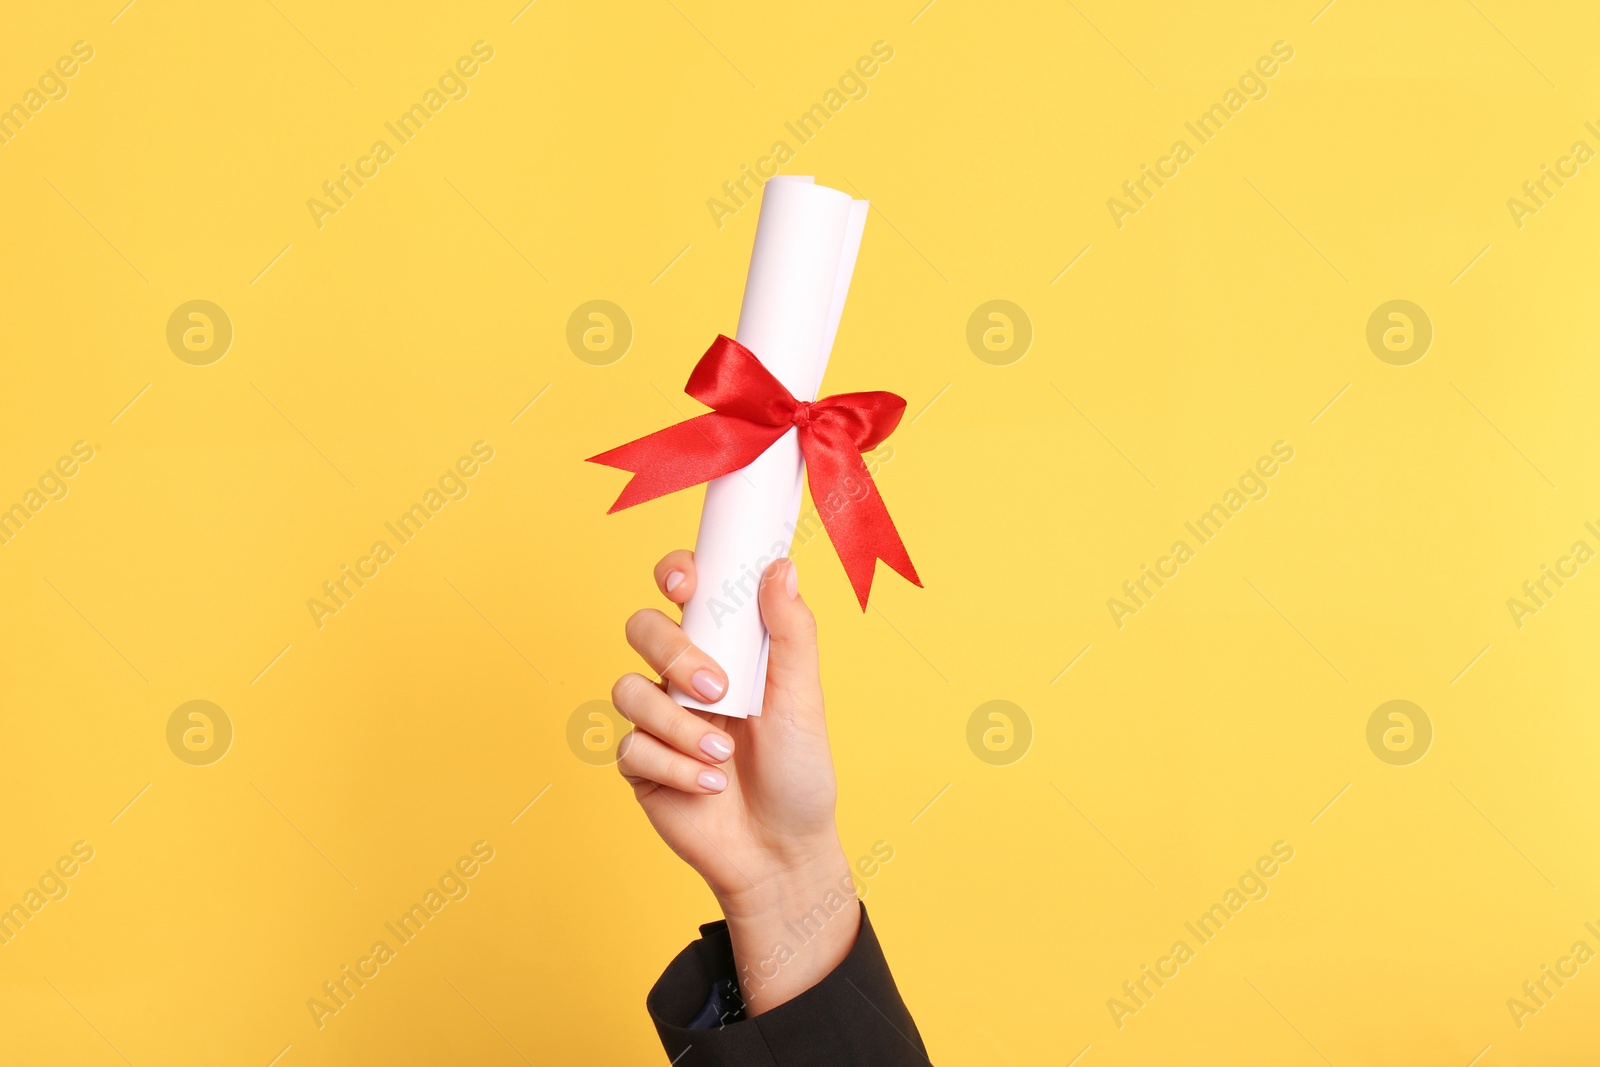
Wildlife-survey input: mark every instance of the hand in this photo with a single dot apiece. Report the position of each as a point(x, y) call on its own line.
point(748, 803)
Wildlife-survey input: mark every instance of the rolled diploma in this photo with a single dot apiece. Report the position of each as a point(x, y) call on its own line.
point(805, 253)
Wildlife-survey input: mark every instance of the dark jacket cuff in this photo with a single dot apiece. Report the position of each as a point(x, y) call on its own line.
point(853, 1016)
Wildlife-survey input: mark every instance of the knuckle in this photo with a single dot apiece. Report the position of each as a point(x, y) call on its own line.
point(678, 654)
point(626, 693)
point(803, 630)
point(680, 774)
point(684, 730)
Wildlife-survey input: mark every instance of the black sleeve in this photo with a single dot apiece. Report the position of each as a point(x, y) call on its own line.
point(853, 1016)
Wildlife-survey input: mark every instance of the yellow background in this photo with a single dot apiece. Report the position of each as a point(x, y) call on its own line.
point(371, 352)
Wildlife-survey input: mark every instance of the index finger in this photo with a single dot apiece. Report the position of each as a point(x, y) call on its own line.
point(670, 653)
point(675, 575)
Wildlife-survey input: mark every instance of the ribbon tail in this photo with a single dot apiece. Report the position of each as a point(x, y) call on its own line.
point(855, 516)
point(685, 454)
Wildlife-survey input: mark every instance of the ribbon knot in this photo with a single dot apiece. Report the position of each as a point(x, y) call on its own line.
point(751, 409)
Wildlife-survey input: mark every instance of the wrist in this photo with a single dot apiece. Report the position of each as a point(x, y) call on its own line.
point(793, 928)
point(803, 872)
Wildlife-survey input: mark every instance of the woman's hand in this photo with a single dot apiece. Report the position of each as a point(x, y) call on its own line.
point(748, 803)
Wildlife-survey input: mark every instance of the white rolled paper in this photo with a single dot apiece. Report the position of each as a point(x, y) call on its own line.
point(805, 253)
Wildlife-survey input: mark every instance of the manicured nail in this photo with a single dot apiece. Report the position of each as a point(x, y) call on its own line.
point(791, 581)
point(708, 685)
point(715, 747)
point(715, 781)
point(674, 579)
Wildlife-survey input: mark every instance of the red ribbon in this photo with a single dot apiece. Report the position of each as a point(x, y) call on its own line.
point(750, 410)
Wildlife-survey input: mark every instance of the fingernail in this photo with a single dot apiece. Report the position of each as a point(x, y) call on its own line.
point(715, 747)
point(715, 781)
point(708, 685)
point(674, 579)
point(791, 581)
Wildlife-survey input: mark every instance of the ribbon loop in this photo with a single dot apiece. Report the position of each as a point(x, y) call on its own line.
point(751, 409)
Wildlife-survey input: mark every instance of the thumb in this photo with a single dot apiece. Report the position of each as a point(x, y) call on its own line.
point(794, 682)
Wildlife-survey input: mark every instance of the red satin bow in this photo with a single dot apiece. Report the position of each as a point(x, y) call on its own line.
point(751, 410)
